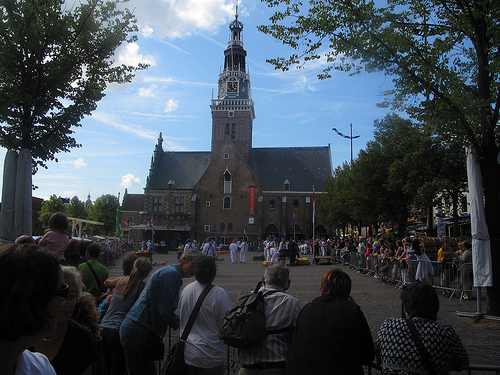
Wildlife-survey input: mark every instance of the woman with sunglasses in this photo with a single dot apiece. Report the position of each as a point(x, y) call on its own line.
point(32, 292)
point(71, 349)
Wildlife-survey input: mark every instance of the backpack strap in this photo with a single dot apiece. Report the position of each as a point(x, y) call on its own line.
point(264, 295)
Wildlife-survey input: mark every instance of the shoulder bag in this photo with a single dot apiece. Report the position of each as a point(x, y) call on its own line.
point(424, 354)
point(95, 276)
point(175, 364)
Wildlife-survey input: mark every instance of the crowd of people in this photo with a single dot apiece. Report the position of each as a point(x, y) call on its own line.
point(76, 320)
point(400, 262)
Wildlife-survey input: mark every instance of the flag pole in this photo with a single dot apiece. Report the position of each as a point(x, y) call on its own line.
point(152, 231)
point(118, 223)
point(313, 220)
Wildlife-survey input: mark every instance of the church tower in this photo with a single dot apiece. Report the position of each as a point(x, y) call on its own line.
point(233, 110)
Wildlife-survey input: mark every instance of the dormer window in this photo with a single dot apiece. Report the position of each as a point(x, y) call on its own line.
point(286, 185)
point(171, 184)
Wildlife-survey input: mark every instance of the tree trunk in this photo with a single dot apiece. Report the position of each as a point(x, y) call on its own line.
point(17, 195)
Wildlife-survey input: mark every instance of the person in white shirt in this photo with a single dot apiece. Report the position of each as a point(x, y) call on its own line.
point(189, 246)
point(204, 350)
point(209, 248)
point(274, 254)
point(233, 248)
point(243, 251)
point(266, 245)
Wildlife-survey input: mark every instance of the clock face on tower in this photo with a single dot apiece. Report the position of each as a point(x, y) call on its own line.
point(232, 85)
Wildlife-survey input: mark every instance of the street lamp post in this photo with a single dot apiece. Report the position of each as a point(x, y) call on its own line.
point(351, 137)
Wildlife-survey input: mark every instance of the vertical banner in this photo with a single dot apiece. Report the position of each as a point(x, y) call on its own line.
point(252, 200)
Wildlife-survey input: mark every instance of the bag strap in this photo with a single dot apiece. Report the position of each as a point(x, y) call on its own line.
point(257, 288)
point(268, 293)
point(95, 275)
point(194, 313)
point(424, 354)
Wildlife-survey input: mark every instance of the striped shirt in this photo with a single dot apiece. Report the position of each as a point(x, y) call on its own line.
point(282, 311)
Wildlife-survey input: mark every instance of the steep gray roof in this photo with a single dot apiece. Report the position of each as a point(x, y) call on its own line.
point(184, 168)
point(133, 202)
point(302, 166)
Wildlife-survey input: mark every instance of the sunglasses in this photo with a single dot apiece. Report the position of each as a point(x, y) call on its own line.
point(62, 291)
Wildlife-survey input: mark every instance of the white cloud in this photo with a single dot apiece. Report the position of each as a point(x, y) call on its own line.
point(148, 92)
point(134, 129)
point(301, 84)
point(175, 19)
point(79, 163)
point(130, 180)
point(172, 105)
point(146, 31)
point(128, 54)
point(171, 80)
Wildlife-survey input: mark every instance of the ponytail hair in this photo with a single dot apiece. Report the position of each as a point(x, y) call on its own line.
point(141, 270)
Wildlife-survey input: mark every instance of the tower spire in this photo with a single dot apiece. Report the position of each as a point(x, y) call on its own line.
point(233, 110)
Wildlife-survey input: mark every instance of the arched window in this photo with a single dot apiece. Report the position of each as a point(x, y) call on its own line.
point(222, 227)
point(227, 128)
point(295, 203)
point(230, 226)
point(271, 229)
point(272, 204)
point(227, 182)
point(233, 130)
point(227, 205)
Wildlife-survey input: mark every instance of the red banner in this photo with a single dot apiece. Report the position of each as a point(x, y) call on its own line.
point(252, 198)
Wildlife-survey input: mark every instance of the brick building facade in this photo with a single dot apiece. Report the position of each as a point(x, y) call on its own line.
point(234, 189)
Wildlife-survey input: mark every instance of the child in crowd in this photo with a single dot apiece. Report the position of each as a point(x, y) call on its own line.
point(56, 237)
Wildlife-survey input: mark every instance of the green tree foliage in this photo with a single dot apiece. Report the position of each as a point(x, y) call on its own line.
point(452, 176)
point(55, 62)
point(394, 173)
point(104, 210)
point(50, 207)
point(76, 209)
point(444, 60)
point(335, 205)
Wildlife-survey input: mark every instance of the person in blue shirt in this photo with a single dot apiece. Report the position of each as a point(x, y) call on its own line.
point(154, 310)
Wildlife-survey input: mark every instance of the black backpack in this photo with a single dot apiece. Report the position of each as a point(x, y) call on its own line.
point(244, 326)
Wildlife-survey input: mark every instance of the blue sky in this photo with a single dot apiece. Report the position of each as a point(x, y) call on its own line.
point(183, 41)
